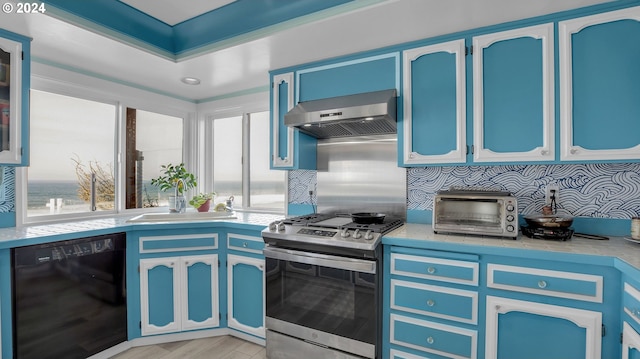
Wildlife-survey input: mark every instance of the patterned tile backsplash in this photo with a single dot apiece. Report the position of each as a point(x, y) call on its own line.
point(586, 190)
point(7, 189)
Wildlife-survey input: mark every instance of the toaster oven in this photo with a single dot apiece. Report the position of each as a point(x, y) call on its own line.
point(479, 212)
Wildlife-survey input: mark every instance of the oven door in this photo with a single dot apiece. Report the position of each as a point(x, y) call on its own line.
point(322, 299)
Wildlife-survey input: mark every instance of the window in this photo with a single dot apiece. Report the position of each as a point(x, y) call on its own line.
point(77, 140)
point(241, 163)
point(227, 159)
point(71, 138)
point(152, 140)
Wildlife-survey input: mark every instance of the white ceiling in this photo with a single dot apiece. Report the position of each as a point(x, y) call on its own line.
point(174, 12)
point(244, 66)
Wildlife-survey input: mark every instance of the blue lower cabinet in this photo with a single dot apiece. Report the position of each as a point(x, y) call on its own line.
point(245, 294)
point(431, 337)
point(630, 342)
point(524, 329)
point(179, 293)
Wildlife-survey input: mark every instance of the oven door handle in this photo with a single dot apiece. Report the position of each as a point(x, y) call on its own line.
point(345, 263)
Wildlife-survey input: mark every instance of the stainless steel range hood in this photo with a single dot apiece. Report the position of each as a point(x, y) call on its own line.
point(371, 113)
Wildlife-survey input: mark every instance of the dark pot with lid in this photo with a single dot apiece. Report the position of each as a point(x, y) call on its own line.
point(549, 221)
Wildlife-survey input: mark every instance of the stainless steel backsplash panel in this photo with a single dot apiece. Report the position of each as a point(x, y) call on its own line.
point(361, 174)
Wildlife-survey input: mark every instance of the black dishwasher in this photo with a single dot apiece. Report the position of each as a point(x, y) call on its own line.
point(69, 297)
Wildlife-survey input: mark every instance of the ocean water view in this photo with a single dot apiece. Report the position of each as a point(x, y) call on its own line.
point(40, 192)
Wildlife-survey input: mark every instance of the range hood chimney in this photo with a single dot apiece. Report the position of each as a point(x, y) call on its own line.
point(371, 113)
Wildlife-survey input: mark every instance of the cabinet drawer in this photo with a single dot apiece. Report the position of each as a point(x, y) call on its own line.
point(397, 354)
point(545, 282)
point(441, 302)
point(444, 270)
point(177, 243)
point(445, 340)
point(631, 302)
point(244, 243)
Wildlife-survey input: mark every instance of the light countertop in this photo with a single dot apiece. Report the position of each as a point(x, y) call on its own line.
point(32, 234)
point(410, 235)
point(605, 251)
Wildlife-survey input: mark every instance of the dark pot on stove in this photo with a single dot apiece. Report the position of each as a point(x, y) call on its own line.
point(367, 217)
point(549, 221)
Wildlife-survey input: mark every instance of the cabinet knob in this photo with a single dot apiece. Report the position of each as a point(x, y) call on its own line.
point(544, 152)
point(430, 340)
point(244, 244)
point(431, 303)
point(542, 284)
point(431, 270)
point(573, 151)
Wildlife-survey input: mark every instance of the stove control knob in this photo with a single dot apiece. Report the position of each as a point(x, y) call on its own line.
point(344, 233)
point(273, 226)
point(356, 234)
point(510, 208)
point(509, 218)
point(280, 227)
point(368, 236)
point(510, 228)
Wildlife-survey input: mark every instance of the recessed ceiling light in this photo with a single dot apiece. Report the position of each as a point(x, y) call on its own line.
point(190, 80)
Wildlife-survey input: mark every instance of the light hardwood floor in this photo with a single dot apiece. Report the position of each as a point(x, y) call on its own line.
point(223, 347)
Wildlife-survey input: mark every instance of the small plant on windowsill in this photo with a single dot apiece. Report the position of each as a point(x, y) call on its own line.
point(178, 179)
point(202, 201)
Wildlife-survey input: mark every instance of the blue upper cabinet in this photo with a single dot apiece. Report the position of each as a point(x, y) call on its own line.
point(513, 81)
point(434, 115)
point(290, 149)
point(599, 86)
point(513, 112)
point(374, 73)
point(14, 98)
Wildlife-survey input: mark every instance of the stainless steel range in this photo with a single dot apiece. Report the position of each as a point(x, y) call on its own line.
point(323, 287)
point(323, 270)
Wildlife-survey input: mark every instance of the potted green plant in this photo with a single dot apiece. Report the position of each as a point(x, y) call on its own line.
point(177, 178)
point(202, 201)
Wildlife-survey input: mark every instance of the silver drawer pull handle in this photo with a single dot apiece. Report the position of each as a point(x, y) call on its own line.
point(542, 284)
point(431, 270)
point(431, 303)
point(430, 340)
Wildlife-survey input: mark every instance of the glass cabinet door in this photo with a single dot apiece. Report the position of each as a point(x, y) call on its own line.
point(10, 101)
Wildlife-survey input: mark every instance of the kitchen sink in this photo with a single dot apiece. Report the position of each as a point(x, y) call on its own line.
point(182, 217)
